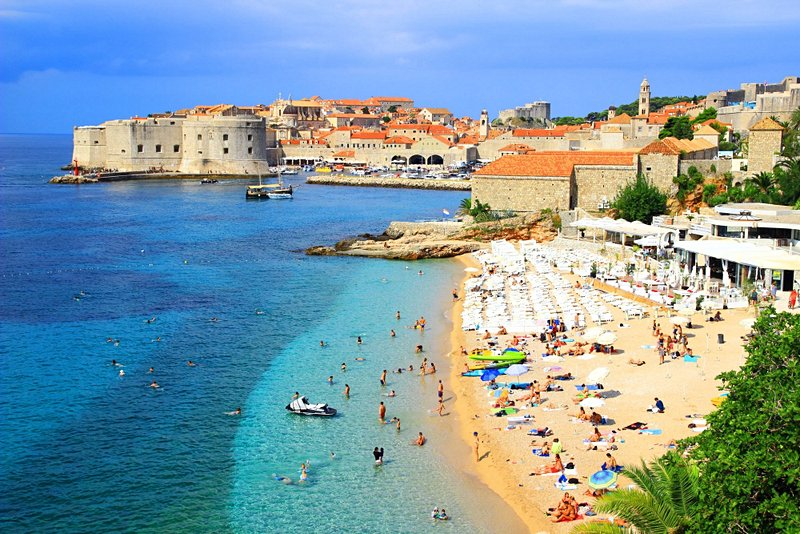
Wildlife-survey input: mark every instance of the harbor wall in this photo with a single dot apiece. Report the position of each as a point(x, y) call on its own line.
point(402, 183)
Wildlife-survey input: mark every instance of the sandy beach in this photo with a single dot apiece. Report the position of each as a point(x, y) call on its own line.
point(506, 460)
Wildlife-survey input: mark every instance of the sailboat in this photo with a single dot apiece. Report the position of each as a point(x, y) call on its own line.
point(266, 191)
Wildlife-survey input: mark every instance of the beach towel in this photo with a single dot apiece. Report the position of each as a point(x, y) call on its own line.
point(690, 359)
point(541, 432)
point(635, 426)
point(648, 347)
point(585, 356)
point(651, 431)
point(590, 387)
point(538, 452)
point(563, 486)
point(554, 409)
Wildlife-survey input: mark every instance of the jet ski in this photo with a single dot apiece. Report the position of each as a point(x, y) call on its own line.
point(302, 407)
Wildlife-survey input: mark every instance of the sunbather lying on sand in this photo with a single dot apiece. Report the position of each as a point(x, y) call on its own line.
point(555, 467)
point(636, 362)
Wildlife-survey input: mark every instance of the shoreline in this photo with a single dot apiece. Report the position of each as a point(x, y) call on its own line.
point(489, 470)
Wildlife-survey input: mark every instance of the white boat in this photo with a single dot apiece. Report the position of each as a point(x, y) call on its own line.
point(303, 407)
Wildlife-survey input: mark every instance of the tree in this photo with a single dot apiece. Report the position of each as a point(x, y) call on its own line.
point(678, 127)
point(763, 181)
point(478, 210)
point(662, 503)
point(365, 110)
point(640, 200)
point(708, 113)
point(392, 109)
point(749, 458)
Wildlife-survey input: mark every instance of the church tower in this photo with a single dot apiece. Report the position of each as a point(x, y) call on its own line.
point(644, 98)
point(483, 131)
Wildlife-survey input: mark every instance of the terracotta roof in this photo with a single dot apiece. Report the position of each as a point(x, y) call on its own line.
point(368, 135)
point(438, 129)
point(538, 132)
point(399, 140)
point(469, 140)
point(622, 118)
point(353, 116)
point(518, 148)
point(391, 99)
point(709, 122)
point(553, 163)
point(706, 130)
point(438, 111)
point(345, 154)
point(674, 147)
point(349, 102)
point(766, 124)
point(657, 118)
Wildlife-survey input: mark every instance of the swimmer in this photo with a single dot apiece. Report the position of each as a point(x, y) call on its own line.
point(154, 385)
point(333, 455)
point(151, 371)
point(280, 478)
point(397, 315)
point(391, 394)
point(296, 395)
point(303, 473)
point(433, 369)
point(376, 453)
point(344, 367)
point(151, 320)
point(116, 342)
point(392, 333)
point(346, 391)
point(359, 359)
point(418, 349)
point(121, 373)
point(214, 320)
point(399, 371)
point(398, 423)
point(115, 363)
point(420, 272)
point(237, 411)
point(321, 343)
point(359, 340)
point(410, 367)
point(157, 340)
point(259, 312)
point(190, 363)
point(330, 380)
point(109, 340)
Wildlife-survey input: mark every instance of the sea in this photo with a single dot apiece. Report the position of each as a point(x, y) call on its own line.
point(154, 274)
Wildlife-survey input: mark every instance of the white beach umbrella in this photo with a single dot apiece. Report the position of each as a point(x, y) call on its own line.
point(688, 312)
point(597, 376)
point(679, 319)
point(607, 338)
point(593, 332)
point(592, 402)
point(748, 323)
point(517, 369)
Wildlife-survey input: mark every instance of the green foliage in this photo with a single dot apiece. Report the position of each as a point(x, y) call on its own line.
point(498, 123)
point(687, 183)
point(727, 145)
point(749, 456)
point(679, 127)
point(708, 113)
point(722, 198)
point(560, 121)
point(709, 190)
point(478, 210)
point(663, 502)
point(640, 200)
point(386, 119)
point(392, 109)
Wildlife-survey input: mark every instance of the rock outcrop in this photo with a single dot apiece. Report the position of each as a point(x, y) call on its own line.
point(72, 179)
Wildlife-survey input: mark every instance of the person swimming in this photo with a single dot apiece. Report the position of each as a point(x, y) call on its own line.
point(190, 363)
point(121, 372)
point(154, 385)
point(237, 411)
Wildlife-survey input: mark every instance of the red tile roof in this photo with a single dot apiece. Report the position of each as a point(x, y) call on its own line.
point(368, 135)
point(553, 163)
point(766, 124)
point(538, 132)
point(622, 118)
point(399, 140)
point(518, 148)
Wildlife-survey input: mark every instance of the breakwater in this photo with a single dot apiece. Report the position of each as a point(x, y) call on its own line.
point(129, 176)
point(400, 183)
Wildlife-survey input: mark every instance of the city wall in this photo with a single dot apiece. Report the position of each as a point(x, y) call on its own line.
point(522, 194)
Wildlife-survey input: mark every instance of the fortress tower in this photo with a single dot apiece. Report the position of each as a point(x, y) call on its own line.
point(483, 131)
point(644, 98)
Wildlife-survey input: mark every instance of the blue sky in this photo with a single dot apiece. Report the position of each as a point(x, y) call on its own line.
point(76, 62)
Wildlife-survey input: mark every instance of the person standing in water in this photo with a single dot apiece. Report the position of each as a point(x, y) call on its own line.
point(346, 391)
point(382, 412)
point(383, 378)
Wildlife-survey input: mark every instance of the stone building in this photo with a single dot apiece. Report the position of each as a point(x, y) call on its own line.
point(765, 145)
point(644, 98)
point(195, 144)
point(436, 115)
point(752, 102)
point(539, 110)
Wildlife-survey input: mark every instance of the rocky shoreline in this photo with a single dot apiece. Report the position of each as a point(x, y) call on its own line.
point(428, 240)
point(398, 183)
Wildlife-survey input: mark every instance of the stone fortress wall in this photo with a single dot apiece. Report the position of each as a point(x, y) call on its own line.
point(193, 145)
point(522, 194)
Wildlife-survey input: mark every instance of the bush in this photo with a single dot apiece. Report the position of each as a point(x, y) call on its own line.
point(640, 200)
point(709, 190)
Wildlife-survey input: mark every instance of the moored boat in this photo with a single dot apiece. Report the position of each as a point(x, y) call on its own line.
point(301, 406)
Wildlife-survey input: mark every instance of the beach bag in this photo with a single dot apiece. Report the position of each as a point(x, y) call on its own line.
point(570, 465)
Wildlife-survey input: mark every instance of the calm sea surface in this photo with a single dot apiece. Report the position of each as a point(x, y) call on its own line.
point(85, 449)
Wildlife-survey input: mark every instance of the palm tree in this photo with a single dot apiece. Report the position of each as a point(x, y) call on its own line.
point(765, 181)
point(465, 207)
point(663, 503)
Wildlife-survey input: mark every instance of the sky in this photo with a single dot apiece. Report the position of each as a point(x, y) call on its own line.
point(66, 63)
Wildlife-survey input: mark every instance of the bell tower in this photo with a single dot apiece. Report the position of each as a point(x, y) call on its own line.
point(483, 131)
point(644, 98)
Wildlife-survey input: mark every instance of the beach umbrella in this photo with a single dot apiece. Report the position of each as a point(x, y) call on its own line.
point(679, 319)
point(593, 332)
point(603, 479)
point(592, 402)
point(517, 369)
point(607, 338)
point(510, 349)
point(688, 312)
point(471, 270)
point(489, 375)
point(597, 376)
point(748, 323)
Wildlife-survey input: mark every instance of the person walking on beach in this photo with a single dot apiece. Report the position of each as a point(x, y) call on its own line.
point(455, 294)
point(476, 447)
point(440, 409)
point(440, 390)
point(382, 413)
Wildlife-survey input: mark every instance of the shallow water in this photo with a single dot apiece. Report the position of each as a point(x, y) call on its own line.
point(84, 448)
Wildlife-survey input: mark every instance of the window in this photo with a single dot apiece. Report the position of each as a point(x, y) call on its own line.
point(158, 148)
point(199, 151)
point(249, 137)
point(139, 148)
point(224, 137)
point(176, 148)
point(199, 137)
point(225, 150)
point(172, 122)
point(249, 150)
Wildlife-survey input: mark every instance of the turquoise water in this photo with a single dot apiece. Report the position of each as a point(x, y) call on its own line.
point(82, 448)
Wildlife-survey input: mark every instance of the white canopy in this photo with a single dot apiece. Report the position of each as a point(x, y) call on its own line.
point(743, 252)
point(620, 225)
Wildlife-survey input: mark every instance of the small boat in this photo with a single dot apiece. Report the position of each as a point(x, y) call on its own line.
point(301, 406)
point(209, 181)
point(288, 171)
point(324, 169)
point(282, 193)
point(488, 355)
point(265, 191)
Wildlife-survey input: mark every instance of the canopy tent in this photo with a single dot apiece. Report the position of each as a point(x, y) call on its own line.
point(743, 252)
point(621, 226)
